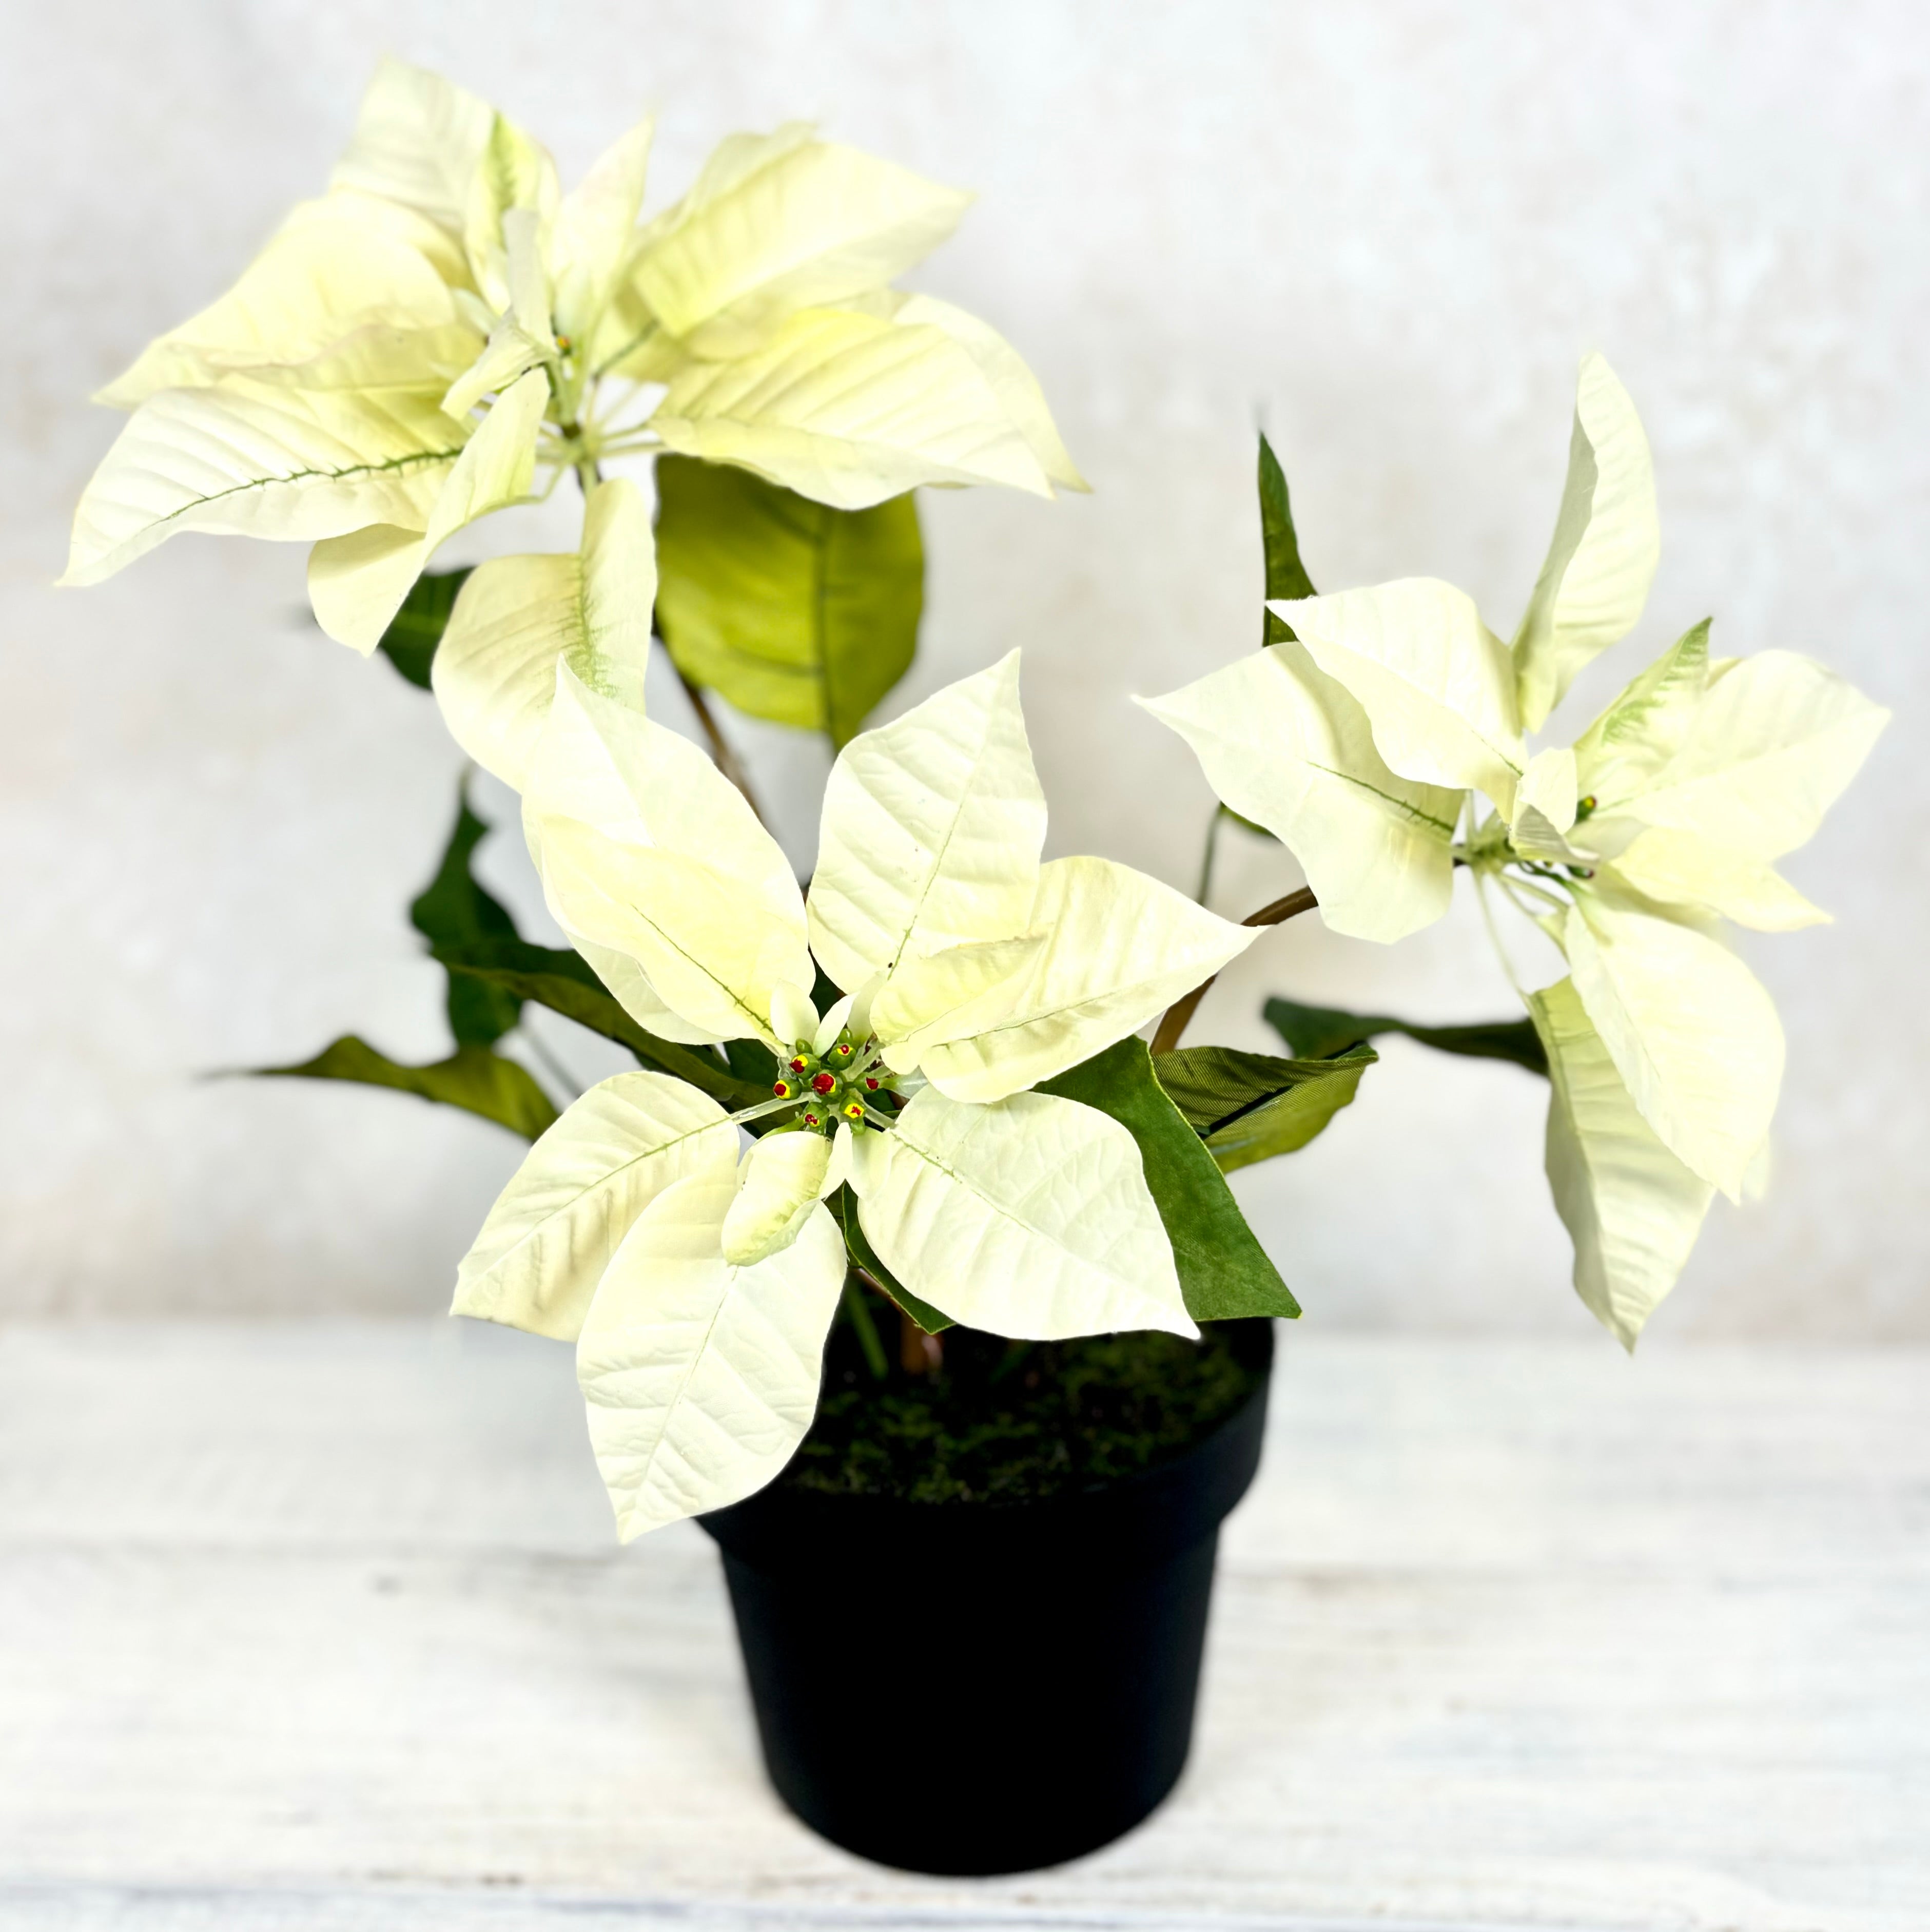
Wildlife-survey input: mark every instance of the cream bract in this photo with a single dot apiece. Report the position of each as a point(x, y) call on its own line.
point(445, 332)
point(970, 972)
point(1393, 712)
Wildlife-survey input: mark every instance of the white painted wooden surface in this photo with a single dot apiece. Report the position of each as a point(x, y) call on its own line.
point(322, 1626)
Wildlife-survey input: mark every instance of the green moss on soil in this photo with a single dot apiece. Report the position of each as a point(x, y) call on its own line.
point(1013, 1421)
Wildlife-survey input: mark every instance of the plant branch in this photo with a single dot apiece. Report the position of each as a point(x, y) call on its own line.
point(919, 1354)
point(721, 755)
point(1180, 1013)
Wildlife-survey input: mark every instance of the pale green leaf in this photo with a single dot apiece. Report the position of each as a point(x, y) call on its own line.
point(931, 832)
point(357, 582)
point(780, 1181)
point(1767, 752)
point(1678, 869)
point(1545, 804)
point(646, 850)
point(538, 1258)
point(1602, 558)
point(1014, 383)
point(1225, 1273)
point(794, 611)
point(1120, 948)
point(499, 462)
point(328, 272)
point(1030, 1217)
point(700, 1378)
point(848, 409)
point(1644, 725)
point(495, 674)
point(650, 853)
point(1695, 1036)
point(781, 224)
point(419, 141)
point(1436, 685)
point(1288, 747)
point(709, 952)
point(933, 998)
point(254, 460)
point(1630, 1207)
point(594, 229)
point(515, 172)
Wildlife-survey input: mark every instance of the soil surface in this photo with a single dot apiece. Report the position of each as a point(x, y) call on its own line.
point(1006, 1420)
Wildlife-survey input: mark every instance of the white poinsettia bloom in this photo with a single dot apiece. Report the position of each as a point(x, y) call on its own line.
point(1368, 741)
point(445, 331)
point(700, 1282)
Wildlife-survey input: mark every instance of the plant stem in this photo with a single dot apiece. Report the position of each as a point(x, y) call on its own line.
point(1177, 1015)
point(868, 1329)
point(1206, 857)
point(721, 755)
point(557, 1071)
point(919, 1354)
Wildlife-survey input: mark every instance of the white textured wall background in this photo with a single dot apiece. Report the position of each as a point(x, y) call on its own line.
point(1389, 227)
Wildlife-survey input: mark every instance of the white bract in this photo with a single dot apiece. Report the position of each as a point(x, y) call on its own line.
point(444, 332)
point(700, 1282)
point(1368, 742)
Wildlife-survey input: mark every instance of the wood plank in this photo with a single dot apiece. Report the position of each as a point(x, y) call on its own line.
point(322, 1625)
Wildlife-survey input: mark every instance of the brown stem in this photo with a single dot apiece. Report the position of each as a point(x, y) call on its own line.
point(919, 1354)
point(1178, 1015)
point(721, 755)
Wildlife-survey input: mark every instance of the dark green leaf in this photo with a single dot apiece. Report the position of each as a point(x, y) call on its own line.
point(793, 610)
point(844, 1205)
point(1286, 576)
point(1223, 1271)
point(409, 643)
point(1251, 1106)
point(753, 1062)
point(472, 1078)
point(453, 910)
point(1319, 1033)
point(563, 981)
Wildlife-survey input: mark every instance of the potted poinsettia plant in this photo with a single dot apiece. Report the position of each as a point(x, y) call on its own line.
point(1380, 734)
point(900, 1260)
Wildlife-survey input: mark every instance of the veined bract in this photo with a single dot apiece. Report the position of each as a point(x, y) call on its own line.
point(1367, 740)
point(444, 332)
point(699, 1285)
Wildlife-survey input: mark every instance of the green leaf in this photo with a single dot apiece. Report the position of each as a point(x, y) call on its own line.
point(563, 981)
point(1320, 1033)
point(453, 910)
point(472, 1078)
point(1224, 1272)
point(844, 1205)
point(752, 1062)
point(793, 610)
point(415, 630)
point(1286, 576)
point(1251, 1106)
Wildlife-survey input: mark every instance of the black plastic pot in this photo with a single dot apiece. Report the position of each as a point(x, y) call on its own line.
point(971, 1688)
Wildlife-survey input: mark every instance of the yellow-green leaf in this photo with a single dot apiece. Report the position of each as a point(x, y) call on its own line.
point(793, 610)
